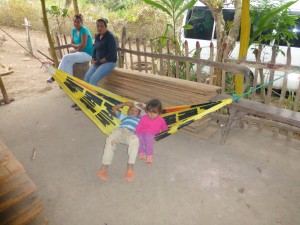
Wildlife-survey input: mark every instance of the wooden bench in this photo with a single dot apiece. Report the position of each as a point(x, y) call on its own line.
point(288, 120)
point(142, 87)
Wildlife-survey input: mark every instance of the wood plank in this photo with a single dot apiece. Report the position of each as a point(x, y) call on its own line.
point(13, 184)
point(23, 211)
point(17, 195)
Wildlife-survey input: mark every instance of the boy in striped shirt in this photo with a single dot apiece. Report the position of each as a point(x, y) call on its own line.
point(124, 134)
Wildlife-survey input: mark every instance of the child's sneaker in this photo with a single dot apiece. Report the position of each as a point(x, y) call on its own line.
point(149, 159)
point(142, 155)
point(129, 175)
point(102, 175)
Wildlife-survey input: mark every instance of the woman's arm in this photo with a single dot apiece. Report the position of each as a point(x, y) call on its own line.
point(82, 45)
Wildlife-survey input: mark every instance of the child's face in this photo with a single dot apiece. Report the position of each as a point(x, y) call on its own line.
point(152, 115)
point(133, 112)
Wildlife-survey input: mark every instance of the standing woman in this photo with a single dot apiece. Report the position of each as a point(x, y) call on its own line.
point(104, 54)
point(82, 42)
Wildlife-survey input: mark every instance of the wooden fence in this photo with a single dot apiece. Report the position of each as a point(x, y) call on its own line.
point(167, 59)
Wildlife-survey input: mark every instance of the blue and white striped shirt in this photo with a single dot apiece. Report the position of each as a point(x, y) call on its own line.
point(129, 122)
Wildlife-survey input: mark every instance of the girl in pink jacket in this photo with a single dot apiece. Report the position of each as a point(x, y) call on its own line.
point(150, 125)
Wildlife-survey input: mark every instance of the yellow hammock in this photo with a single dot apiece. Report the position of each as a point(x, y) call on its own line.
point(97, 104)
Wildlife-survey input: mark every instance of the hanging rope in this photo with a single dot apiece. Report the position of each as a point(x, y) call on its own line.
point(235, 97)
point(22, 46)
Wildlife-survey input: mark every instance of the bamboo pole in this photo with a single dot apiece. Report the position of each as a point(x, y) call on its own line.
point(244, 44)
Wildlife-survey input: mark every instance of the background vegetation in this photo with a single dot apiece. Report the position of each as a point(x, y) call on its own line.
point(140, 19)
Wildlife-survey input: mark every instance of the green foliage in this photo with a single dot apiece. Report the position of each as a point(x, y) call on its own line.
point(272, 17)
point(58, 14)
point(174, 9)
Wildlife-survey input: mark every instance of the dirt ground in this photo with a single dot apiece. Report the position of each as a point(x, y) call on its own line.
point(251, 180)
point(28, 77)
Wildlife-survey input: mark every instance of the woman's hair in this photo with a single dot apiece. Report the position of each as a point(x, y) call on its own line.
point(154, 105)
point(78, 16)
point(103, 20)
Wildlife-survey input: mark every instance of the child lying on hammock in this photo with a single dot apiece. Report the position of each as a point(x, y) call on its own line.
point(124, 133)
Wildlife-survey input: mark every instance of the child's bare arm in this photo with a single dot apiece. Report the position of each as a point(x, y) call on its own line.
point(117, 107)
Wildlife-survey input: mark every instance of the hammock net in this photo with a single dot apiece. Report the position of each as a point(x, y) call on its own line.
point(97, 104)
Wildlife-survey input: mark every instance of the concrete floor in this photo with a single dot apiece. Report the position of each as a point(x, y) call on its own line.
point(253, 179)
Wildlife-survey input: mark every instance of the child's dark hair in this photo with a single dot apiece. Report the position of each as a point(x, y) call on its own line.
point(78, 16)
point(154, 105)
point(103, 20)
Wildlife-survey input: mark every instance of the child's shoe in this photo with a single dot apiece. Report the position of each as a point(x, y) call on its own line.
point(142, 155)
point(129, 175)
point(149, 159)
point(102, 174)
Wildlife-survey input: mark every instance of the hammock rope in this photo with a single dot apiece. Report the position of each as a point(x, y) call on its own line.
point(236, 97)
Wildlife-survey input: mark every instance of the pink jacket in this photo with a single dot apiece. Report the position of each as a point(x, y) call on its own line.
point(146, 125)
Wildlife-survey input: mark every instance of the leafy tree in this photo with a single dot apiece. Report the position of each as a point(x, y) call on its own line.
point(226, 36)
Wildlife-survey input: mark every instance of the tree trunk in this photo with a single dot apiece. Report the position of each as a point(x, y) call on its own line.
point(225, 41)
point(76, 8)
point(68, 3)
point(50, 41)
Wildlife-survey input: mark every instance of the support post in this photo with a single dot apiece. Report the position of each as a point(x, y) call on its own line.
point(27, 26)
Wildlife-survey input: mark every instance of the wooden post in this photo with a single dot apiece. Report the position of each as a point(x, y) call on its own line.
point(198, 50)
point(138, 51)
point(145, 57)
point(297, 99)
point(123, 43)
point(161, 61)
point(3, 90)
point(211, 57)
point(59, 51)
point(168, 60)
point(284, 82)
point(28, 42)
point(187, 64)
point(270, 87)
point(257, 71)
point(176, 61)
point(66, 42)
point(130, 54)
point(152, 59)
